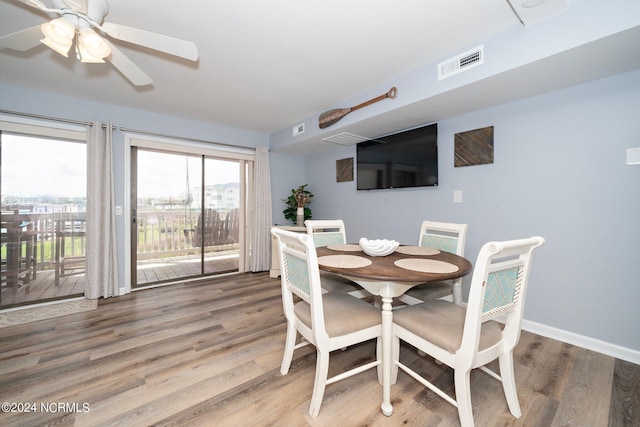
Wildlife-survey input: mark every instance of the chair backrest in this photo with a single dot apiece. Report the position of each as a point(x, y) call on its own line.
point(208, 229)
point(498, 288)
point(11, 224)
point(300, 275)
point(326, 232)
point(233, 226)
point(445, 236)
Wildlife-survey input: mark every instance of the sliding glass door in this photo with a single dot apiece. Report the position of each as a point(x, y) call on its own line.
point(44, 198)
point(187, 215)
point(218, 234)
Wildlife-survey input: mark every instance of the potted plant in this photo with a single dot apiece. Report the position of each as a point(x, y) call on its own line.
point(297, 210)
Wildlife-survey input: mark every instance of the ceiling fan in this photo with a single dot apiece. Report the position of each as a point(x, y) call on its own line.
point(83, 21)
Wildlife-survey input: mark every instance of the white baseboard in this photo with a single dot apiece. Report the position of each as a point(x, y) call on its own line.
point(593, 344)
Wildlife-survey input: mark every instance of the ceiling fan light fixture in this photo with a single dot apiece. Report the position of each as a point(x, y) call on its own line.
point(92, 47)
point(58, 35)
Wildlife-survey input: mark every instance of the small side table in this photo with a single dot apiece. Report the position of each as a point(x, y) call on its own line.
point(275, 258)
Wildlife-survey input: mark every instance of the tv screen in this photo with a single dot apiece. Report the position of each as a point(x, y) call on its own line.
point(403, 159)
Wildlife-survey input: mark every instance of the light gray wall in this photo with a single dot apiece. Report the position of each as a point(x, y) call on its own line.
point(559, 172)
point(287, 172)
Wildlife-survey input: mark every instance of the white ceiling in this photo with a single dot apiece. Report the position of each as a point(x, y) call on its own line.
point(263, 65)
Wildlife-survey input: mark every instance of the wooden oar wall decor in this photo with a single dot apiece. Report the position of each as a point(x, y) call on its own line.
point(331, 117)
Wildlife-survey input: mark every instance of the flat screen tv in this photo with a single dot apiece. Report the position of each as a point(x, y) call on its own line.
point(399, 160)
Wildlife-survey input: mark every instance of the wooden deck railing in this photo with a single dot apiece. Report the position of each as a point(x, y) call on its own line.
point(161, 234)
point(172, 233)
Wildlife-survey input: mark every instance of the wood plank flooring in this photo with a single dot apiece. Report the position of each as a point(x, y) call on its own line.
point(208, 353)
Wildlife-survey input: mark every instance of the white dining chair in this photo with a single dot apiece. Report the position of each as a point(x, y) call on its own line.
point(444, 236)
point(329, 321)
point(332, 232)
point(471, 337)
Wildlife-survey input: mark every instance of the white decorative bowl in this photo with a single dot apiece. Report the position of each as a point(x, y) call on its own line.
point(378, 247)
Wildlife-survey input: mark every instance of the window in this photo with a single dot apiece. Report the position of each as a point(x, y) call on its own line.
point(43, 194)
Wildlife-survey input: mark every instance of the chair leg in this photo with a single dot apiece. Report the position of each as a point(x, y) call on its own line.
point(509, 383)
point(320, 382)
point(463, 397)
point(289, 346)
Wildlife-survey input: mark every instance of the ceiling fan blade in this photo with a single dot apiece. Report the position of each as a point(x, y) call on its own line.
point(77, 5)
point(130, 70)
point(41, 6)
point(183, 49)
point(35, 3)
point(22, 40)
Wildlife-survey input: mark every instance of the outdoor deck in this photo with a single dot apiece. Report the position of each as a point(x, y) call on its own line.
point(36, 244)
point(151, 271)
point(43, 286)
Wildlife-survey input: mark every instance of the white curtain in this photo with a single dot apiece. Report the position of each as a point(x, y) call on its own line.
point(102, 262)
point(260, 256)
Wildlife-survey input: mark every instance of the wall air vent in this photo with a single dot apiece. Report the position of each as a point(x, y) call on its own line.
point(345, 138)
point(298, 129)
point(460, 63)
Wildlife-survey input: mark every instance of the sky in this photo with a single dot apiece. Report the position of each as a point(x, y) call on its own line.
point(34, 166)
point(39, 167)
point(165, 175)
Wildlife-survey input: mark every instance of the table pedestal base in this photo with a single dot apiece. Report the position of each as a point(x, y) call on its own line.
point(387, 342)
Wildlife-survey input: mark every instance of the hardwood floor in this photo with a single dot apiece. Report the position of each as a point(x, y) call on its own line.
point(208, 353)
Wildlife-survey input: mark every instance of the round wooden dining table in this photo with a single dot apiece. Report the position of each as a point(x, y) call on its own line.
point(391, 276)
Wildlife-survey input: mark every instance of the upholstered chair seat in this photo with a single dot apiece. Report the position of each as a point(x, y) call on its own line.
point(442, 324)
point(342, 315)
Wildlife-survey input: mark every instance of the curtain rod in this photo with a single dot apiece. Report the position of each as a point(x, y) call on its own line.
point(53, 119)
point(78, 122)
point(182, 138)
point(36, 116)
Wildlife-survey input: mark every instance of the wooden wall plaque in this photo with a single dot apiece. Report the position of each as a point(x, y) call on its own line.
point(344, 170)
point(474, 147)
